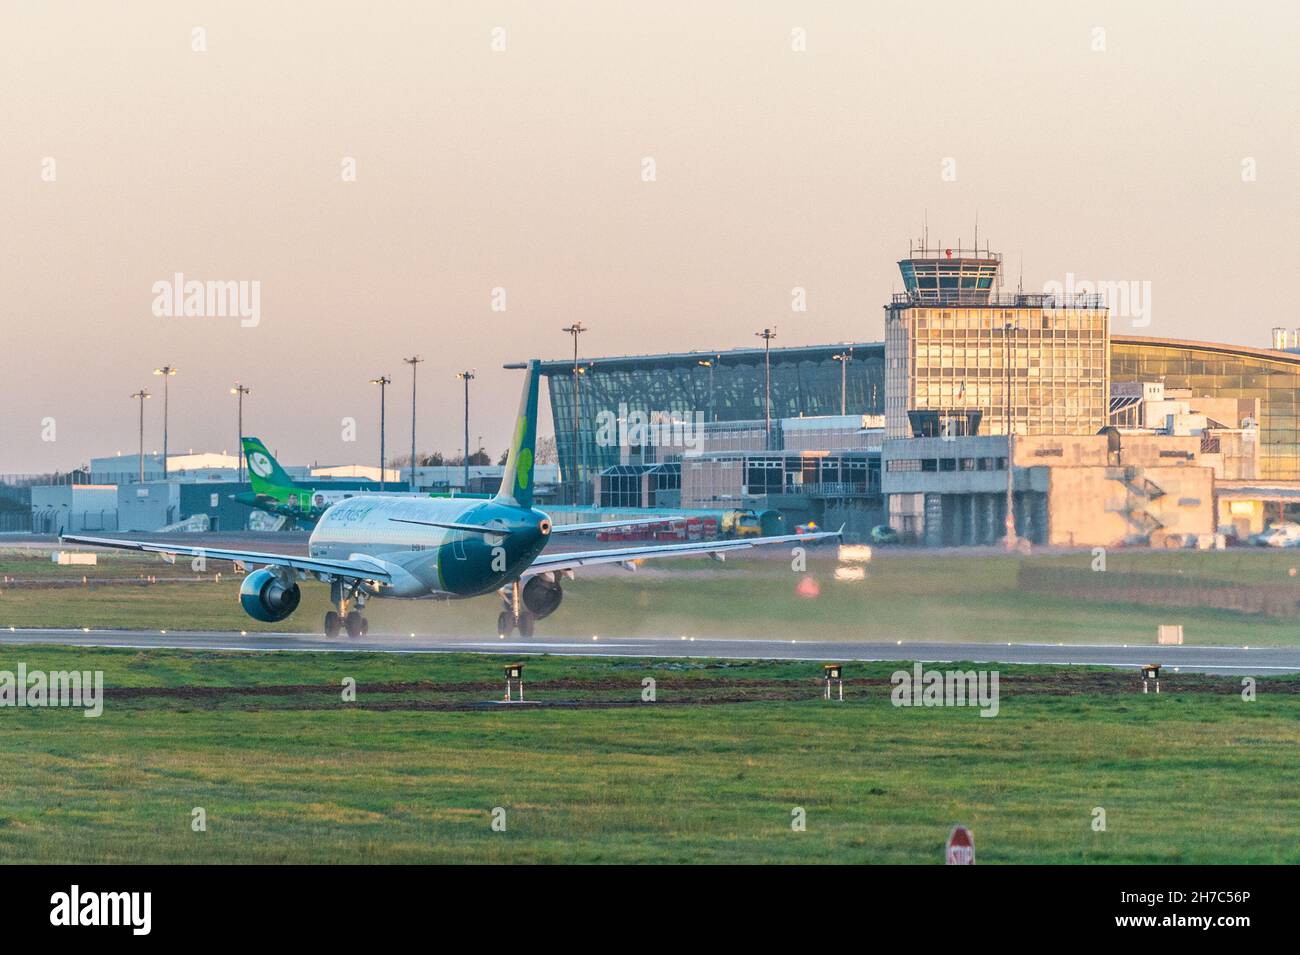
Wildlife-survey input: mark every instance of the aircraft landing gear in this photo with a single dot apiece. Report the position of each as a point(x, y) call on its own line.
point(350, 601)
point(506, 623)
point(516, 614)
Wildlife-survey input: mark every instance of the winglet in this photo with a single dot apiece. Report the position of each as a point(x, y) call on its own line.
point(517, 481)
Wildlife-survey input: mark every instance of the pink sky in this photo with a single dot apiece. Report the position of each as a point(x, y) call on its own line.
point(522, 169)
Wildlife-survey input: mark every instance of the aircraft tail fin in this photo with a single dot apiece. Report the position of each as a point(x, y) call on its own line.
point(264, 471)
point(517, 481)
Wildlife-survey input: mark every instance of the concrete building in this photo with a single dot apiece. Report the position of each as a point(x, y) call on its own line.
point(84, 508)
point(1068, 490)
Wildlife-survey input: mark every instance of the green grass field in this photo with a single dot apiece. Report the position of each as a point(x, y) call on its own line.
point(904, 595)
point(296, 775)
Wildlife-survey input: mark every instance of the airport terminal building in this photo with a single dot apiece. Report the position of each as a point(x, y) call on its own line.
point(1114, 438)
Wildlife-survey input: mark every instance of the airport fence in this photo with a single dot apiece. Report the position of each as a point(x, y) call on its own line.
point(49, 478)
point(80, 522)
point(15, 522)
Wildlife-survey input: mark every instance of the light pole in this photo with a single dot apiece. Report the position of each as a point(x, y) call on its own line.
point(710, 363)
point(413, 361)
point(166, 371)
point(141, 394)
point(467, 377)
point(767, 335)
point(575, 330)
point(383, 381)
point(1009, 539)
point(239, 391)
point(844, 358)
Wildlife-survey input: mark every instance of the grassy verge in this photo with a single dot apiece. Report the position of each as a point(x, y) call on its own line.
point(1182, 777)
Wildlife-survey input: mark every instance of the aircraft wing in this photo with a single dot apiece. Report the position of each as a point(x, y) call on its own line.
point(547, 563)
point(603, 525)
point(355, 569)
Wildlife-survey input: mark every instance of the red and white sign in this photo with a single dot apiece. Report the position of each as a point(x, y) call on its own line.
point(961, 847)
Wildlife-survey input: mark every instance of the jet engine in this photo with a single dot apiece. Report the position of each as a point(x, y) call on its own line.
point(266, 596)
point(542, 595)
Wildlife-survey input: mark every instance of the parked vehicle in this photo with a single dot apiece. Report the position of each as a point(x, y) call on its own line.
point(1280, 535)
point(740, 524)
point(884, 534)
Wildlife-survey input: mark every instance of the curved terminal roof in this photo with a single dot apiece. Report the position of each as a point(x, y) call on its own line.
point(869, 349)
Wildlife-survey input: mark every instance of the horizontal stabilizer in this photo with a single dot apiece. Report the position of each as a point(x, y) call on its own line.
point(451, 526)
point(610, 525)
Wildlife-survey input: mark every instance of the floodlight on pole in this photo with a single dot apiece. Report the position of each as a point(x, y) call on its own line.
point(767, 335)
point(166, 371)
point(239, 391)
point(467, 377)
point(711, 364)
point(844, 358)
point(413, 361)
point(383, 381)
point(141, 395)
point(576, 329)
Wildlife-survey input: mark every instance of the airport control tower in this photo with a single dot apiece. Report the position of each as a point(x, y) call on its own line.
point(962, 357)
point(950, 275)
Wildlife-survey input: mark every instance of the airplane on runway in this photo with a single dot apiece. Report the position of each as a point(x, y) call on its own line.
point(442, 548)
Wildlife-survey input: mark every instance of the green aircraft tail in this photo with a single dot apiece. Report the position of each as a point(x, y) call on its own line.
point(264, 471)
point(517, 481)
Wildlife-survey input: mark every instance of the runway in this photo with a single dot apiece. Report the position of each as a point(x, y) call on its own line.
point(1243, 661)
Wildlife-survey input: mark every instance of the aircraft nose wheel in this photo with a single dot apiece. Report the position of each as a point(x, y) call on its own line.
point(333, 622)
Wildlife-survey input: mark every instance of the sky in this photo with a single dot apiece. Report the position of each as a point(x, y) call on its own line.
point(386, 176)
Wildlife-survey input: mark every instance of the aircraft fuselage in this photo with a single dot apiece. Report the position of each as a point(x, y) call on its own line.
point(432, 561)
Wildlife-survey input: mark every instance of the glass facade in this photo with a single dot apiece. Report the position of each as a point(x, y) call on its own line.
point(730, 387)
point(957, 360)
point(621, 486)
point(1225, 372)
point(754, 478)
